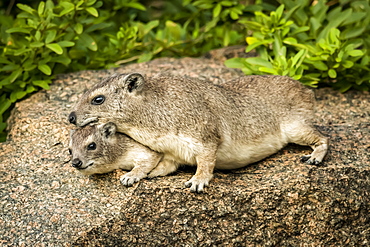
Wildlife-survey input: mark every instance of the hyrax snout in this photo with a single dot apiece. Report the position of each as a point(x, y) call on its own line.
point(98, 149)
point(195, 122)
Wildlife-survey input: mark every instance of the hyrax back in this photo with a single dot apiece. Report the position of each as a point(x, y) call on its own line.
point(196, 122)
point(98, 149)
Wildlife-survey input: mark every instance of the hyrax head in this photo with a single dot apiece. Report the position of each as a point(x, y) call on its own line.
point(106, 99)
point(95, 148)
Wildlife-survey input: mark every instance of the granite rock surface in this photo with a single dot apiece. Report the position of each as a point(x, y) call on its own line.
point(275, 202)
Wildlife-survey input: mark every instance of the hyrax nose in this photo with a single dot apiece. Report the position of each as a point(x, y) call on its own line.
point(76, 163)
point(72, 117)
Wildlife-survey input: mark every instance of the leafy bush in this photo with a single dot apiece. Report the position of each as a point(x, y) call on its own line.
point(50, 38)
point(312, 42)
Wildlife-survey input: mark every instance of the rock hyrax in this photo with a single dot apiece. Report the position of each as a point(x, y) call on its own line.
point(100, 149)
point(192, 121)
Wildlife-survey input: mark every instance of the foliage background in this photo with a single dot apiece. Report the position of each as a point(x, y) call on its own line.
point(319, 42)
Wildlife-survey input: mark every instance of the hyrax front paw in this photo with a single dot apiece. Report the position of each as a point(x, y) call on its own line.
point(129, 179)
point(198, 183)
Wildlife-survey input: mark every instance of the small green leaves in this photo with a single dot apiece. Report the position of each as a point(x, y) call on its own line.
point(312, 43)
point(307, 40)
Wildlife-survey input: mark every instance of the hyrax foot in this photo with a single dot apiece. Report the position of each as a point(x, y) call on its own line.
point(303, 134)
point(309, 160)
point(198, 183)
point(129, 179)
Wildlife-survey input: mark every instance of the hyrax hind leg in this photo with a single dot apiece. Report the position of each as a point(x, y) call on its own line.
point(305, 134)
point(165, 167)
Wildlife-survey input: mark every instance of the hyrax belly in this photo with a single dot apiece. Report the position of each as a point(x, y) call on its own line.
point(239, 154)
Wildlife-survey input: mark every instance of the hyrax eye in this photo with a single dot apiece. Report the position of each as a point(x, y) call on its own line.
point(98, 100)
point(70, 151)
point(91, 146)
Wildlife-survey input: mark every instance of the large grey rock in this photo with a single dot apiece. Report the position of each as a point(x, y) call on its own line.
point(275, 202)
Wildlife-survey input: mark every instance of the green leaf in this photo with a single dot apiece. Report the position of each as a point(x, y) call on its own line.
point(15, 74)
point(354, 32)
point(44, 68)
point(4, 60)
point(55, 48)
point(149, 26)
point(332, 73)
point(37, 44)
point(18, 30)
point(335, 19)
point(268, 70)
point(78, 28)
point(92, 11)
point(67, 8)
point(259, 61)
point(234, 15)
point(355, 53)
point(30, 89)
point(21, 51)
point(145, 57)
point(66, 43)
point(41, 8)
point(88, 41)
point(217, 10)
point(50, 36)
point(10, 67)
point(256, 44)
point(17, 95)
point(279, 12)
point(236, 62)
point(347, 64)
point(4, 105)
point(136, 6)
point(38, 35)
point(61, 59)
point(174, 29)
point(42, 83)
point(298, 58)
point(290, 41)
point(320, 65)
point(26, 8)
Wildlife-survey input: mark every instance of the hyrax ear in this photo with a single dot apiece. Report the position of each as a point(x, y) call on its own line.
point(133, 82)
point(108, 130)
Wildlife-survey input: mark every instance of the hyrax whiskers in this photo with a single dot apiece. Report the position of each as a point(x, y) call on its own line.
point(196, 122)
point(98, 149)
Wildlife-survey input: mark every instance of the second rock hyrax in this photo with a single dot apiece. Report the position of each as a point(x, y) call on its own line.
point(196, 122)
point(98, 149)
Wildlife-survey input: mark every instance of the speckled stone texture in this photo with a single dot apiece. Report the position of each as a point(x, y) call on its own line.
point(275, 202)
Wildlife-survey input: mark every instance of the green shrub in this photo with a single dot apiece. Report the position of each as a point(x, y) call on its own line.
point(50, 38)
point(312, 42)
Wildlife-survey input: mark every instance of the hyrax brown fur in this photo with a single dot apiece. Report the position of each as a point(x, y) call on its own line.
point(98, 149)
point(191, 121)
